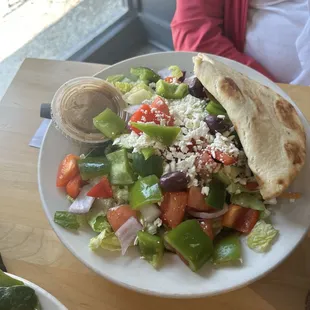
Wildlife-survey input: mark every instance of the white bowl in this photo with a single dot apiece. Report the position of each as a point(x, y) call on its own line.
point(174, 279)
point(47, 301)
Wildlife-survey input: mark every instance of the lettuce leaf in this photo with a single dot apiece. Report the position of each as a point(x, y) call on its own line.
point(123, 87)
point(96, 217)
point(261, 237)
point(66, 219)
point(138, 93)
point(106, 240)
point(176, 72)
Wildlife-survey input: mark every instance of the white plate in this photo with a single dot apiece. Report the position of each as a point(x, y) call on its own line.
point(174, 279)
point(47, 301)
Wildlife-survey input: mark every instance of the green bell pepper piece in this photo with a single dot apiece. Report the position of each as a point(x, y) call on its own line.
point(171, 91)
point(248, 201)
point(121, 171)
point(217, 194)
point(153, 165)
point(151, 248)
point(227, 250)
point(109, 123)
point(189, 240)
point(92, 167)
point(115, 78)
point(145, 74)
point(164, 134)
point(222, 177)
point(145, 191)
point(147, 152)
point(103, 149)
point(215, 109)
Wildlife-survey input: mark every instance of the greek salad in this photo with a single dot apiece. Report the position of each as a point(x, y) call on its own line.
point(174, 179)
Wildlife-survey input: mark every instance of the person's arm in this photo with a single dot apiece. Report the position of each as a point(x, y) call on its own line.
point(198, 25)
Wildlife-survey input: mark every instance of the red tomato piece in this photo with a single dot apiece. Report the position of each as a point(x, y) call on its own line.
point(173, 208)
point(169, 79)
point(230, 217)
point(67, 170)
point(246, 223)
point(252, 186)
point(144, 115)
point(102, 189)
point(161, 111)
point(205, 164)
point(240, 218)
point(196, 200)
point(226, 159)
point(206, 226)
point(74, 186)
point(119, 215)
point(160, 104)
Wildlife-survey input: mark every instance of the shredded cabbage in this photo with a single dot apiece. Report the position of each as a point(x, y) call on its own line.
point(261, 237)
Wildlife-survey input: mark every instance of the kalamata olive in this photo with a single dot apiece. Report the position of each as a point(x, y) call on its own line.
point(174, 181)
point(195, 87)
point(216, 124)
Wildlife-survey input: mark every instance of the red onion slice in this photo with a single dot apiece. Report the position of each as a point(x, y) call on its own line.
point(127, 233)
point(82, 203)
point(206, 215)
point(132, 108)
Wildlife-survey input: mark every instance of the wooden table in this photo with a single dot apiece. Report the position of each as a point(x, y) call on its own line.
point(31, 250)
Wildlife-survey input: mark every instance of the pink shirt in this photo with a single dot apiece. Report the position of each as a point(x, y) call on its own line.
point(213, 26)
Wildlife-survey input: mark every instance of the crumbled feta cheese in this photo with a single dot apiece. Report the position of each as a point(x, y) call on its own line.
point(151, 228)
point(205, 190)
point(224, 145)
point(272, 201)
point(221, 116)
point(137, 142)
point(158, 222)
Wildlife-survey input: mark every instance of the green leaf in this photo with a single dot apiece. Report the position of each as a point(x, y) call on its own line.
point(153, 165)
point(123, 87)
point(176, 72)
point(96, 217)
point(66, 219)
point(18, 298)
point(106, 240)
point(261, 237)
point(115, 78)
point(6, 281)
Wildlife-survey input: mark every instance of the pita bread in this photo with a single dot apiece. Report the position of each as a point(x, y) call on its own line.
point(271, 133)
